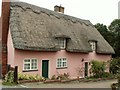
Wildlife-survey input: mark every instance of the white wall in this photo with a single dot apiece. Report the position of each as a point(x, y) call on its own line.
point(119, 10)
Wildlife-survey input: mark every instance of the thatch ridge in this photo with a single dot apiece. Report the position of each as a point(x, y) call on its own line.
point(36, 28)
point(39, 10)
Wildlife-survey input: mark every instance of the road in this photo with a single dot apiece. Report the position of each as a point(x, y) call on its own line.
point(76, 84)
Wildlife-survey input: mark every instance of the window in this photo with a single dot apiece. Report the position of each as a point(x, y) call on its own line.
point(93, 45)
point(62, 43)
point(61, 62)
point(30, 64)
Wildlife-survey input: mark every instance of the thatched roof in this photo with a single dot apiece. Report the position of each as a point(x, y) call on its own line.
point(36, 28)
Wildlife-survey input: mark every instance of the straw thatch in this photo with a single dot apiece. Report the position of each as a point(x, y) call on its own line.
point(36, 28)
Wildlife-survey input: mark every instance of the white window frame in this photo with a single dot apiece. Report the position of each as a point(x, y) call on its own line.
point(93, 45)
point(63, 43)
point(30, 64)
point(63, 60)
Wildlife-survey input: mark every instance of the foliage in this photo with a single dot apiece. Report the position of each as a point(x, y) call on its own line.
point(22, 76)
point(8, 83)
point(115, 30)
point(97, 68)
point(103, 31)
point(64, 76)
point(118, 80)
point(106, 75)
point(111, 34)
point(115, 65)
point(9, 77)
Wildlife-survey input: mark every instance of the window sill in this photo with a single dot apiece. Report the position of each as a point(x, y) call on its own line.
point(29, 70)
point(62, 68)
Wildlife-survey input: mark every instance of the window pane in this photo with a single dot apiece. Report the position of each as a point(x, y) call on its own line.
point(64, 64)
point(92, 45)
point(62, 43)
point(26, 66)
point(27, 60)
point(61, 62)
point(34, 64)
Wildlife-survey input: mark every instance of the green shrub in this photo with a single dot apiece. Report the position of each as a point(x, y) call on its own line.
point(106, 75)
point(98, 68)
point(119, 80)
point(22, 76)
point(115, 65)
point(9, 77)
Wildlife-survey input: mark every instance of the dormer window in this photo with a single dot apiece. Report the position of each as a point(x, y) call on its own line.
point(62, 43)
point(93, 45)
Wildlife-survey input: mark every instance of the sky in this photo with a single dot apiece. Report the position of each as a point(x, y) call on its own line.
point(97, 11)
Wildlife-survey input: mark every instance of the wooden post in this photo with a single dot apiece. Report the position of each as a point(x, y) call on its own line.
point(8, 68)
point(16, 74)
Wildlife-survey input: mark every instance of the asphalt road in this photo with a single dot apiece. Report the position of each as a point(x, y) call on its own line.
point(76, 84)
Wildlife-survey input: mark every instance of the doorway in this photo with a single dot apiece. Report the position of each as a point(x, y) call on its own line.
point(86, 69)
point(45, 68)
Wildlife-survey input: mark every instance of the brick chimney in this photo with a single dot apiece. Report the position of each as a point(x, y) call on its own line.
point(5, 27)
point(59, 9)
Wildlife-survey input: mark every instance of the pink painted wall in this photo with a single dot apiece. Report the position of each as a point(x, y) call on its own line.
point(73, 61)
point(16, 57)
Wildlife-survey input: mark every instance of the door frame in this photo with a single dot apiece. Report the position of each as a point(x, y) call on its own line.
point(48, 66)
point(85, 69)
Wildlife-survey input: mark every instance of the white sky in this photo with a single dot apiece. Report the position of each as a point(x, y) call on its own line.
point(97, 11)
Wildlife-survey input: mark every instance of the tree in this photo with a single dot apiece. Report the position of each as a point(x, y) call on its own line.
point(111, 34)
point(114, 29)
point(103, 31)
point(115, 66)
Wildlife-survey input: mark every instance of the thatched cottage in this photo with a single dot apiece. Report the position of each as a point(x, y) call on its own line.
point(45, 42)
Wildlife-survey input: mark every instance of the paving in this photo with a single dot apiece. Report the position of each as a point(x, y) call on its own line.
point(75, 84)
point(0, 84)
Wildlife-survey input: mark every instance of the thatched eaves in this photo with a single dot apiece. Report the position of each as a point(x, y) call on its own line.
point(36, 28)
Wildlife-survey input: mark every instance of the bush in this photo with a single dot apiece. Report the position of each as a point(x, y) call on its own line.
point(115, 65)
point(64, 76)
point(22, 76)
point(119, 80)
point(9, 79)
point(54, 77)
point(106, 75)
point(98, 68)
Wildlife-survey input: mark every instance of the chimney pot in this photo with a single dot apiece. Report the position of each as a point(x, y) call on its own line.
point(59, 9)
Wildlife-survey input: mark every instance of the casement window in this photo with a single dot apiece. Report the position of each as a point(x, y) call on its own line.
point(61, 62)
point(62, 43)
point(93, 45)
point(30, 64)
